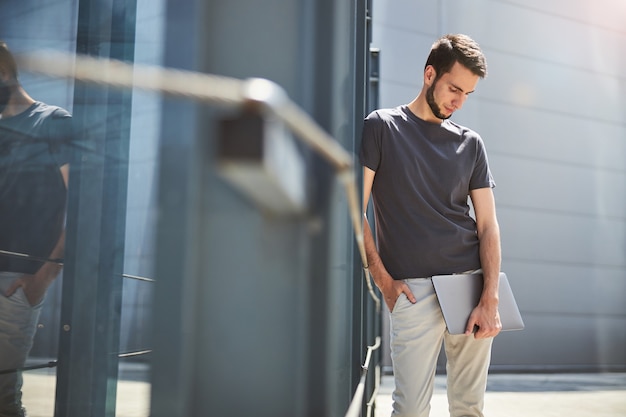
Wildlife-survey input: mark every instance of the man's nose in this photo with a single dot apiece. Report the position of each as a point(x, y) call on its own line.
point(459, 101)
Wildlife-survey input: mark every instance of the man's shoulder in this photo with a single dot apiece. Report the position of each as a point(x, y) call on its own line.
point(460, 130)
point(49, 122)
point(386, 114)
point(51, 111)
point(385, 118)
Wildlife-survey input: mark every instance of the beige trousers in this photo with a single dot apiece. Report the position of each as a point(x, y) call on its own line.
point(417, 333)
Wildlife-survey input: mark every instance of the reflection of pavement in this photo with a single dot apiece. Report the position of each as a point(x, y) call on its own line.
point(133, 395)
point(536, 395)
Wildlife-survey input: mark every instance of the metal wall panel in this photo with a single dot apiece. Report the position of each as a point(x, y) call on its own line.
point(551, 114)
point(254, 312)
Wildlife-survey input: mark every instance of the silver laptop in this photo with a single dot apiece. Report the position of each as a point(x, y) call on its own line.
point(458, 295)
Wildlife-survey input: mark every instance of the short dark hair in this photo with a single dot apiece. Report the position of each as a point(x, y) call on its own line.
point(7, 61)
point(457, 48)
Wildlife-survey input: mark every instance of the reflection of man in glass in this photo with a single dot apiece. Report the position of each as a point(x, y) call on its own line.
point(34, 169)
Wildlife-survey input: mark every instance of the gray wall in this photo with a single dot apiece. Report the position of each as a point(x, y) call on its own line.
point(551, 112)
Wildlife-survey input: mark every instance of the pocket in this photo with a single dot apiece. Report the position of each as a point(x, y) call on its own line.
point(19, 297)
point(401, 297)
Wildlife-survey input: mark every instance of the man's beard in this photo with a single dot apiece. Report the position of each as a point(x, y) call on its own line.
point(430, 99)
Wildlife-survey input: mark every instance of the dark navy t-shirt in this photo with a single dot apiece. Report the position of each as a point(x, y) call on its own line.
point(33, 146)
point(424, 172)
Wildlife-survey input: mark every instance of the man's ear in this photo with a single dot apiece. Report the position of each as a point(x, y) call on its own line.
point(429, 75)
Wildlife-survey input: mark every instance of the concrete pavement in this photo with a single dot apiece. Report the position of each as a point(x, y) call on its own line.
point(534, 395)
point(508, 395)
point(133, 394)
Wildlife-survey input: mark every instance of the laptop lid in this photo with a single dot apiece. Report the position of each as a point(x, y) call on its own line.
point(458, 295)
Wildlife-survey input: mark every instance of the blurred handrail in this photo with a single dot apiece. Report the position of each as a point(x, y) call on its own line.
point(219, 90)
point(357, 399)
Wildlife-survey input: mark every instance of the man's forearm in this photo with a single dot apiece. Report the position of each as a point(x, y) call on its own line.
point(490, 260)
point(50, 270)
point(376, 267)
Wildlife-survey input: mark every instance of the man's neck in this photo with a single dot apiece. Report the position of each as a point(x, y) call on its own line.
point(421, 109)
point(19, 102)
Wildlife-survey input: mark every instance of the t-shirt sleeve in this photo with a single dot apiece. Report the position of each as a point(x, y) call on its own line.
point(370, 152)
point(61, 136)
point(481, 176)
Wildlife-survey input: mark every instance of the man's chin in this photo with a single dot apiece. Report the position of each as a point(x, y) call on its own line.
point(437, 112)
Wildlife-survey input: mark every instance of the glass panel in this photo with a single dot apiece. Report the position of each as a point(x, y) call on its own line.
point(121, 199)
point(133, 391)
point(32, 199)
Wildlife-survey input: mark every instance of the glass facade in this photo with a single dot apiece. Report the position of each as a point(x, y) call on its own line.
point(167, 288)
point(93, 328)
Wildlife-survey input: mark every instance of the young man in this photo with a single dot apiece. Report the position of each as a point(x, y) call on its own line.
point(420, 169)
point(34, 169)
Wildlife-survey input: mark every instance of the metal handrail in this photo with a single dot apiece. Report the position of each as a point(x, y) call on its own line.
point(357, 399)
point(54, 363)
point(218, 90)
point(60, 261)
point(19, 255)
point(138, 278)
point(370, 404)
